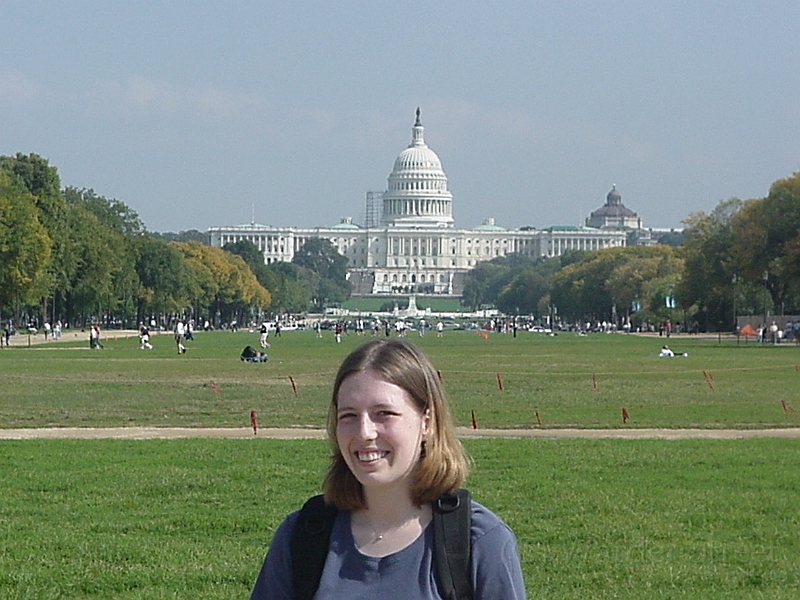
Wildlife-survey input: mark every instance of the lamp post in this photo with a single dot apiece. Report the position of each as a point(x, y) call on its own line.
point(735, 324)
point(766, 282)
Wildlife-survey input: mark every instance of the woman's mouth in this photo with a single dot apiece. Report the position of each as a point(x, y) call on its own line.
point(368, 456)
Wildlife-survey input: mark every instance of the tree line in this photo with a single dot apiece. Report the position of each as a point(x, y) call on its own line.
point(73, 256)
point(743, 258)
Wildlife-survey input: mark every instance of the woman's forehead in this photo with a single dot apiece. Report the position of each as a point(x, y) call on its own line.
point(370, 387)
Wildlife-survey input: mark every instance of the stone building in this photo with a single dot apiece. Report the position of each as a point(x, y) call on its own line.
point(409, 242)
point(614, 214)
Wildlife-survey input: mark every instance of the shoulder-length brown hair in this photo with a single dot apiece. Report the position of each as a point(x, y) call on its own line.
point(443, 464)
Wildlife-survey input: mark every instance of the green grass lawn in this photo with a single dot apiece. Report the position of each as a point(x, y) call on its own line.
point(571, 381)
point(595, 519)
point(706, 519)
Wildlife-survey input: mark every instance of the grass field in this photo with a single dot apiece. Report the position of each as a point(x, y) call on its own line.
point(706, 519)
point(637, 519)
point(570, 381)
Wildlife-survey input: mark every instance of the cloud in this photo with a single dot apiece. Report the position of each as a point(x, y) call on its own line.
point(206, 101)
point(16, 87)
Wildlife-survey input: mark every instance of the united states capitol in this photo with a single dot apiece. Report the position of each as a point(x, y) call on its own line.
point(408, 242)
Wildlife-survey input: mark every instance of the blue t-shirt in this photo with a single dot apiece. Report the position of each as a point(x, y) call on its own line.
point(407, 574)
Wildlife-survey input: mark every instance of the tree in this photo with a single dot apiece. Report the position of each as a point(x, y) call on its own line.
point(319, 256)
point(524, 293)
point(647, 279)
point(485, 282)
point(290, 286)
point(672, 238)
point(24, 245)
point(190, 235)
point(528, 291)
point(114, 214)
point(291, 290)
point(222, 283)
point(248, 251)
point(766, 239)
point(606, 282)
point(33, 174)
point(707, 269)
point(163, 275)
point(38, 177)
point(99, 257)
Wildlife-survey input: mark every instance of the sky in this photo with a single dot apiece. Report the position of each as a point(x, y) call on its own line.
point(202, 114)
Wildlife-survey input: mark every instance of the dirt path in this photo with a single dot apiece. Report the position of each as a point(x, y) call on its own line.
point(148, 433)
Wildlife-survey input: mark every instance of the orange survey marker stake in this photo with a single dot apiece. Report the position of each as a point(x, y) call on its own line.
point(709, 379)
point(254, 422)
point(787, 408)
point(294, 385)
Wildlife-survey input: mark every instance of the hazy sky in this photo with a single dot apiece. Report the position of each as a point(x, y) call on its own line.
point(200, 114)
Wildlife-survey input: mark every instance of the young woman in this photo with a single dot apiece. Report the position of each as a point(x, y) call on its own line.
point(394, 453)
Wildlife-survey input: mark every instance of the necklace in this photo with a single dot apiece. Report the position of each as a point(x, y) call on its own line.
point(396, 527)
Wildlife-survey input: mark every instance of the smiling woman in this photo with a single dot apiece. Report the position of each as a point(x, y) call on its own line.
point(380, 433)
point(397, 467)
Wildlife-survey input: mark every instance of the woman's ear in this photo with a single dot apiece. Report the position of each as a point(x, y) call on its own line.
point(426, 423)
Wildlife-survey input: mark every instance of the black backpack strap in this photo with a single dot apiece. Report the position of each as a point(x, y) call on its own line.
point(311, 537)
point(452, 545)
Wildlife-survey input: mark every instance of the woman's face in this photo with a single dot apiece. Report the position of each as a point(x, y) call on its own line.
point(379, 431)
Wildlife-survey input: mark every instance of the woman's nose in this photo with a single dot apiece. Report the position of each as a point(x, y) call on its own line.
point(366, 427)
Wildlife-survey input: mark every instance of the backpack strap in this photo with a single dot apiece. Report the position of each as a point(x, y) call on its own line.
point(309, 546)
point(452, 523)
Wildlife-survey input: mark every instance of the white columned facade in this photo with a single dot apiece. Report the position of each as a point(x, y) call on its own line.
point(412, 246)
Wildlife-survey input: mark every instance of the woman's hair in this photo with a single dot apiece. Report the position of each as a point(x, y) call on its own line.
point(443, 464)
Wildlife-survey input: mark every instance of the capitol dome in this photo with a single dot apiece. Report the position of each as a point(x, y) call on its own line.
point(417, 194)
point(418, 157)
point(613, 197)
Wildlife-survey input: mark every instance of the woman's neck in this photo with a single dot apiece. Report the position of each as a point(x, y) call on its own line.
point(390, 523)
point(388, 503)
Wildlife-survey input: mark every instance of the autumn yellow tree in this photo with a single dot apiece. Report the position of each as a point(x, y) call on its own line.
point(221, 282)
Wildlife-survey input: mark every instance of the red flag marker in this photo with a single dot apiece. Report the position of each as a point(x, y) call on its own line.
point(709, 379)
point(499, 382)
point(294, 385)
point(625, 416)
point(253, 422)
point(538, 418)
point(474, 422)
